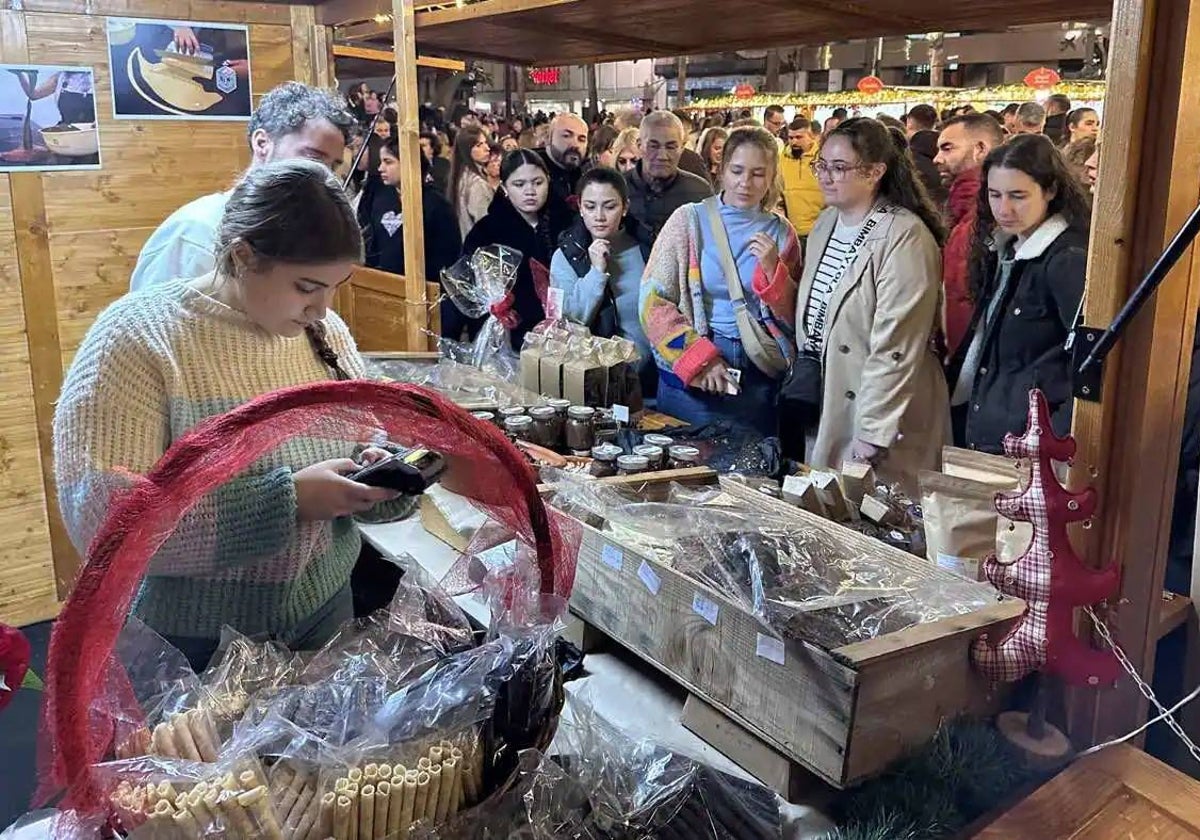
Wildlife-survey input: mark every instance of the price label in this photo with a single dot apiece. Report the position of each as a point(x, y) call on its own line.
point(554, 304)
point(650, 578)
point(621, 413)
point(768, 647)
point(706, 609)
point(612, 557)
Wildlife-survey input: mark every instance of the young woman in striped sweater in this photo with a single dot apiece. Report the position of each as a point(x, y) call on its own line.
point(271, 551)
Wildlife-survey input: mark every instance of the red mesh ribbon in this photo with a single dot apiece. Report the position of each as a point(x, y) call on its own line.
point(87, 691)
point(504, 312)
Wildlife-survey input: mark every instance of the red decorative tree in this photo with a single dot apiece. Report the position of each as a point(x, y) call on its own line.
point(1048, 576)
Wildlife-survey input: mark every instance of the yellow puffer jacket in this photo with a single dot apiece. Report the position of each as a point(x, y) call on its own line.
point(801, 192)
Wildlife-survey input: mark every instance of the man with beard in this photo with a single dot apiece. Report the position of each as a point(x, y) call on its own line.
point(802, 196)
point(962, 147)
point(564, 155)
point(922, 144)
point(657, 185)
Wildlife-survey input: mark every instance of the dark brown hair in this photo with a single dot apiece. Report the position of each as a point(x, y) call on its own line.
point(873, 143)
point(461, 162)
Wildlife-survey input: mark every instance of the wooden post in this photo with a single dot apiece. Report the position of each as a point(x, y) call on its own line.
point(771, 82)
point(1129, 443)
point(508, 91)
point(408, 121)
point(522, 74)
point(681, 77)
point(593, 87)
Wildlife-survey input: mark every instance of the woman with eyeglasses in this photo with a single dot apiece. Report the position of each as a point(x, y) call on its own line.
point(868, 305)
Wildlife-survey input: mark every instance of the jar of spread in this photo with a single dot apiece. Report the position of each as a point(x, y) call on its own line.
point(519, 427)
point(485, 416)
point(546, 429)
point(560, 408)
point(604, 460)
point(682, 457)
point(511, 411)
point(632, 465)
point(580, 430)
point(659, 440)
point(655, 457)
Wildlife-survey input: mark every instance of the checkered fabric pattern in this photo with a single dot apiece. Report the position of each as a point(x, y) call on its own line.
point(1048, 576)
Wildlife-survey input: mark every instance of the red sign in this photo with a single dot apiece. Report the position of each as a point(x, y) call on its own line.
point(870, 84)
point(1042, 78)
point(545, 75)
point(743, 91)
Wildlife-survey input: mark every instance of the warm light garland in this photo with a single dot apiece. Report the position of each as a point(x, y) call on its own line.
point(997, 94)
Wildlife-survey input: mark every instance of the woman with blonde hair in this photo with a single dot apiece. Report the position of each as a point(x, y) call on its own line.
point(626, 152)
point(712, 146)
point(718, 297)
point(868, 305)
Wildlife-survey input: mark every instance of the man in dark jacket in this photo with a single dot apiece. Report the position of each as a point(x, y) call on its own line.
point(657, 186)
point(923, 144)
point(565, 155)
point(1057, 108)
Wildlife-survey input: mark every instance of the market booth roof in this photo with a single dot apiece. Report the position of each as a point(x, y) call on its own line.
point(549, 32)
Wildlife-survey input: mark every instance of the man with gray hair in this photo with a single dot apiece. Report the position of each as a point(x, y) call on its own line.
point(1031, 119)
point(292, 121)
point(657, 186)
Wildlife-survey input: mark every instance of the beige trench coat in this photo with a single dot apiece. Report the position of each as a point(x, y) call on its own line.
point(883, 383)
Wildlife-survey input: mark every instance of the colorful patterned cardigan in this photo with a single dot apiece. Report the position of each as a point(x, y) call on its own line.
point(672, 297)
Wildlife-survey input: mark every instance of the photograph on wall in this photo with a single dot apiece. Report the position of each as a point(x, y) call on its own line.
point(47, 118)
point(179, 70)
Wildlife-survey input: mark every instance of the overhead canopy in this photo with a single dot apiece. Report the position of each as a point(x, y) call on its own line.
point(550, 32)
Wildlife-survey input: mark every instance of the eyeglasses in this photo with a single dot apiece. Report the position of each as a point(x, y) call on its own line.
point(836, 172)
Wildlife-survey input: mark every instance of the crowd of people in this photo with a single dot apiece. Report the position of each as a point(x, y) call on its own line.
point(870, 287)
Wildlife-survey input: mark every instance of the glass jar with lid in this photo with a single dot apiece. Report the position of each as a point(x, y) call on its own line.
point(658, 440)
point(561, 407)
point(604, 460)
point(547, 430)
point(510, 411)
point(485, 416)
point(519, 427)
point(682, 457)
point(632, 465)
point(580, 430)
point(654, 455)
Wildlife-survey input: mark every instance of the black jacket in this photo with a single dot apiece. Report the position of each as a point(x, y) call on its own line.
point(1024, 348)
point(690, 161)
point(574, 243)
point(651, 208)
point(503, 225)
point(380, 217)
point(1055, 128)
point(440, 168)
point(562, 181)
point(924, 148)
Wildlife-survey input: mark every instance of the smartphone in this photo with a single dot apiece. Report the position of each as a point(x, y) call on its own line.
point(735, 387)
point(410, 471)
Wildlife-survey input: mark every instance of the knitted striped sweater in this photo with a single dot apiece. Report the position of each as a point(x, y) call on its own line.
point(155, 364)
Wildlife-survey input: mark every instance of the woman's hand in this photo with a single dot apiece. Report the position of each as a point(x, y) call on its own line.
point(323, 492)
point(185, 40)
point(598, 254)
point(764, 247)
point(867, 453)
point(372, 454)
point(715, 379)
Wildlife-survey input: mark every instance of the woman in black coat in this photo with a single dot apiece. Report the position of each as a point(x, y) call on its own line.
point(522, 217)
point(1028, 261)
point(382, 221)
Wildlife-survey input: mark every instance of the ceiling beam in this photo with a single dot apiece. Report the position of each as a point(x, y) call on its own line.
point(342, 12)
point(599, 37)
point(389, 56)
point(485, 9)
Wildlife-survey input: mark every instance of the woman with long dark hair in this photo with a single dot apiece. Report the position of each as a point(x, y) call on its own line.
point(521, 217)
point(868, 305)
point(470, 192)
point(1028, 261)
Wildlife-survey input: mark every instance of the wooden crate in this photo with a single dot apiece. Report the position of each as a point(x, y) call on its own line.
point(844, 714)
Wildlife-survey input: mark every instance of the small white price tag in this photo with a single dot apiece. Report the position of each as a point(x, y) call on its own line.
point(768, 647)
point(613, 557)
point(706, 609)
point(650, 578)
point(621, 413)
point(554, 304)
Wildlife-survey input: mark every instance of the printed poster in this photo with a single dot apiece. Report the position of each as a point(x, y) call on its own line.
point(47, 118)
point(179, 70)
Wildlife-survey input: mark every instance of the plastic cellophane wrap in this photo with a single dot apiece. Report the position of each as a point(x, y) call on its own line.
point(457, 379)
point(801, 581)
point(137, 701)
point(480, 286)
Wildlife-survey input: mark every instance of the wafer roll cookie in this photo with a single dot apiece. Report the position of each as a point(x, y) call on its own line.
point(249, 780)
point(308, 819)
point(258, 803)
point(383, 798)
point(436, 755)
point(195, 804)
point(292, 793)
point(186, 822)
point(341, 785)
point(341, 818)
point(303, 801)
point(354, 807)
point(355, 774)
point(435, 792)
point(185, 745)
point(366, 811)
point(421, 798)
point(395, 805)
point(204, 734)
point(324, 826)
point(424, 763)
point(164, 740)
point(236, 816)
point(385, 772)
point(447, 791)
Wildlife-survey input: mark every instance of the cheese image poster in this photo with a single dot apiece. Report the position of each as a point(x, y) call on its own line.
point(47, 118)
point(179, 70)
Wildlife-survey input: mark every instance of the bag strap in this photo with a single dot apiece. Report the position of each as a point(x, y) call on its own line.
point(728, 264)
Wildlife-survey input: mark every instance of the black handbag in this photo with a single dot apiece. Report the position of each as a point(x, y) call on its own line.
point(803, 389)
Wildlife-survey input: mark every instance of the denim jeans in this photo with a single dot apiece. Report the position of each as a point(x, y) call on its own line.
point(754, 407)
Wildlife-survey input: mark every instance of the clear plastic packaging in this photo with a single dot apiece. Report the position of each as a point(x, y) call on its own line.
point(455, 377)
point(480, 285)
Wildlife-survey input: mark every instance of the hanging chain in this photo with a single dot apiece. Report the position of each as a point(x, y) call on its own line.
point(1147, 692)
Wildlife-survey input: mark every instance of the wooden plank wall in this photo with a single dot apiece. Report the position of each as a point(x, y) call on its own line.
point(68, 242)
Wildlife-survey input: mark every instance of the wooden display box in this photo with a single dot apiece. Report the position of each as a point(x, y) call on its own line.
point(844, 714)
